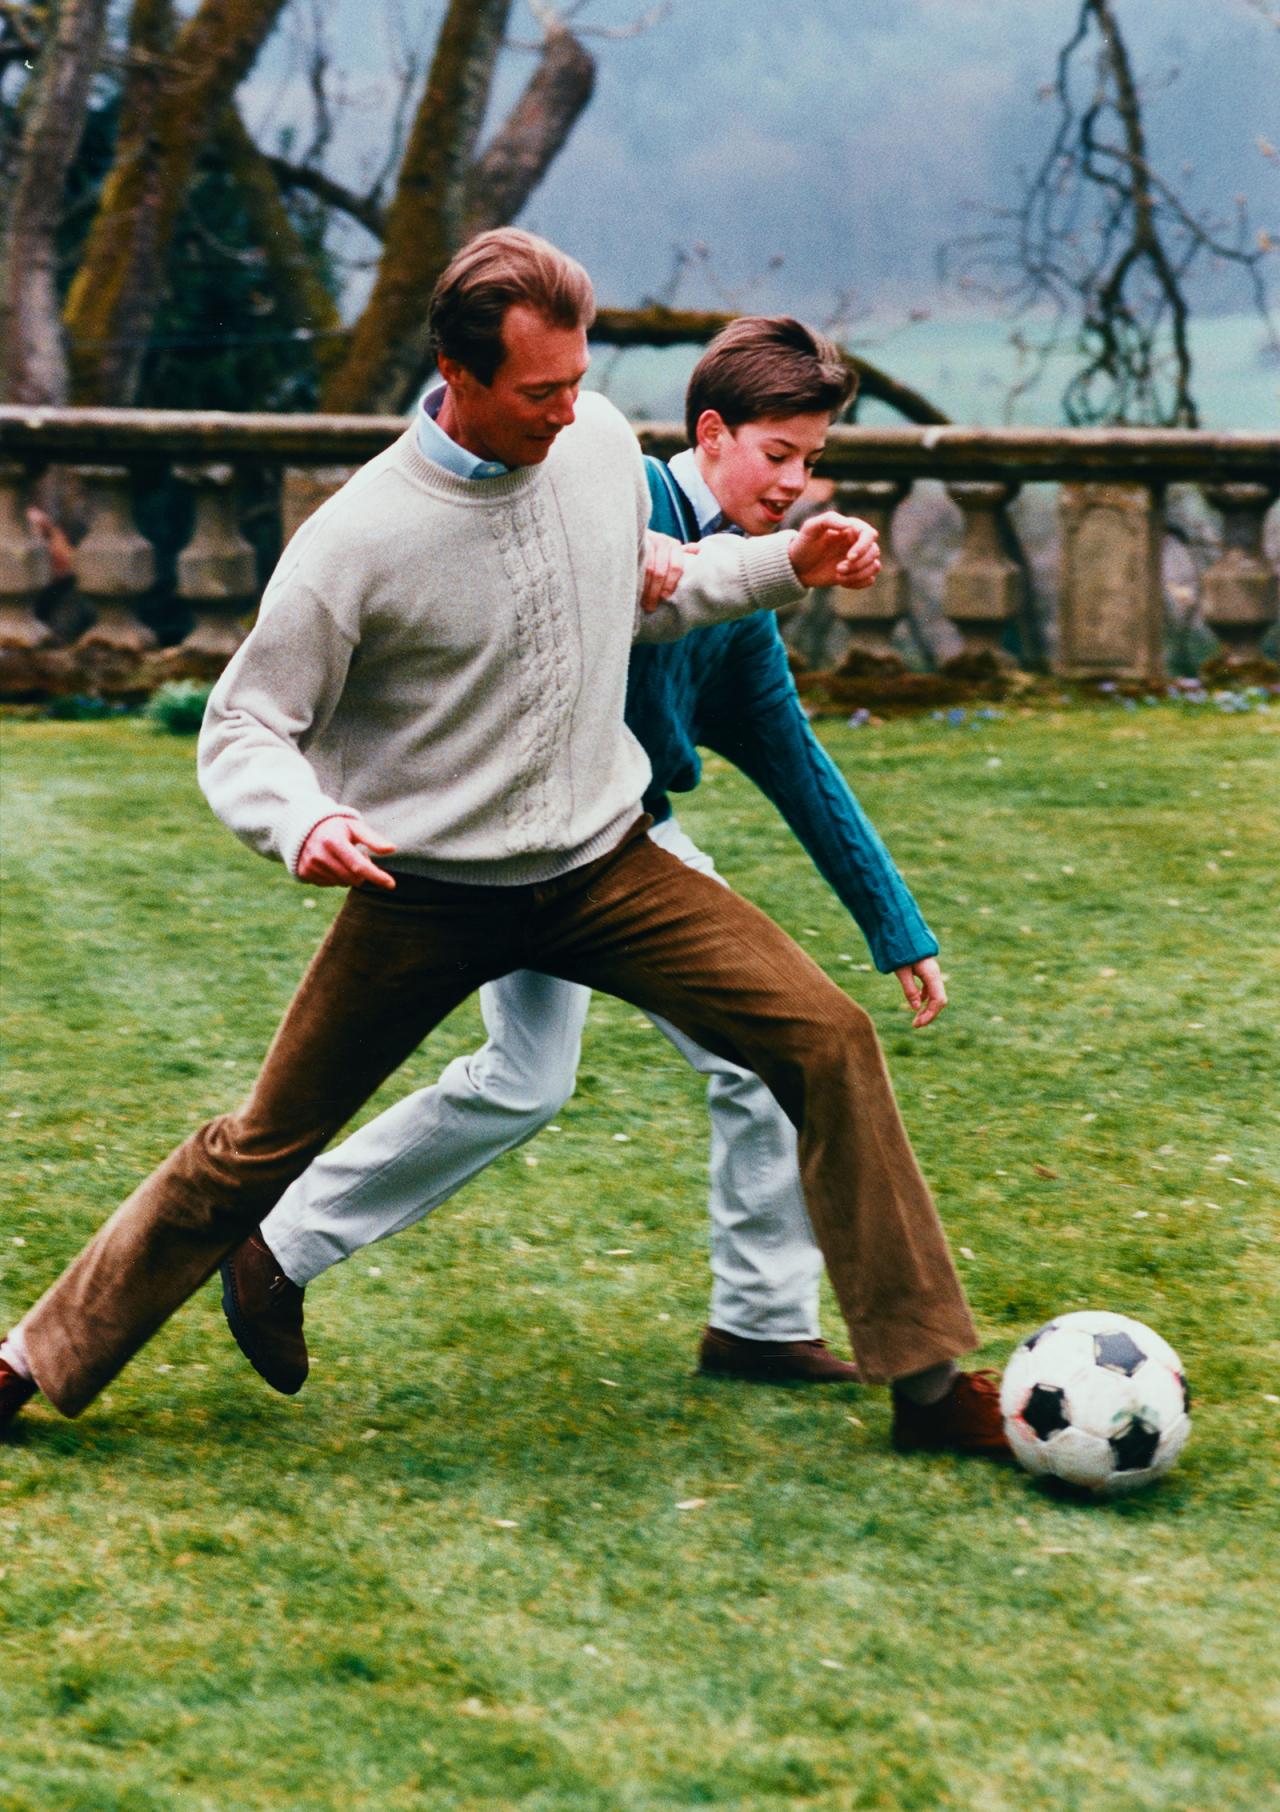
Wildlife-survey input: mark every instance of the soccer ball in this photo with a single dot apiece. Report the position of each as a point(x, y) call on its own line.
point(1096, 1400)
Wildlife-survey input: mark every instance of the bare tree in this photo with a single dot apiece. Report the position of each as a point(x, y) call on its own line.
point(1103, 243)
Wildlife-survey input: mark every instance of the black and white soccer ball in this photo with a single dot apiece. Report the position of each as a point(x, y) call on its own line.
point(1097, 1400)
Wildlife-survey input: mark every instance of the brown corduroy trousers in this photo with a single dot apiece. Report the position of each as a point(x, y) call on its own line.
point(636, 923)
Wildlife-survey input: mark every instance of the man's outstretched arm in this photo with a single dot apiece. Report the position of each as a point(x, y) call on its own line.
point(729, 576)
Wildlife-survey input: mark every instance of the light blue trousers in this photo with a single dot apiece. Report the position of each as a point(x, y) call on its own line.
point(765, 1264)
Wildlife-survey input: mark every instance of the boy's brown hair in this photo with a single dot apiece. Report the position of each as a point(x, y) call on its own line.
point(492, 273)
point(768, 365)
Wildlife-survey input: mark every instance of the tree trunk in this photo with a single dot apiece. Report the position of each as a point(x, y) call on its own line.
point(426, 219)
point(172, 103)
point(305, 303)
point(534, 134)
point(33, 365)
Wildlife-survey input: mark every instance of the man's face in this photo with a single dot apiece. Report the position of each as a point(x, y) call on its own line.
point(759, 469)
point(517, 417)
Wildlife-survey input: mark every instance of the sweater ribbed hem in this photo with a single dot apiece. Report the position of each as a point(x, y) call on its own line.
point(520, 871)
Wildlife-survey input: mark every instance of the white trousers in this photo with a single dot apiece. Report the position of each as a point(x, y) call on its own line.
point(765, 1263)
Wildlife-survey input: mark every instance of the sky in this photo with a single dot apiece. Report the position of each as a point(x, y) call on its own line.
point(821, 151)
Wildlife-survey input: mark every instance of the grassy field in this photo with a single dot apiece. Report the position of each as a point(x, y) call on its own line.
point(506, 1550)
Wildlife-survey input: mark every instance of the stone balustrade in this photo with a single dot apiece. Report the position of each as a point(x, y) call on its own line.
point(1111, 485)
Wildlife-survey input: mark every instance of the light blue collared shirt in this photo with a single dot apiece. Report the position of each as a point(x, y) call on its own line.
point(706, 507)
point(434, 444)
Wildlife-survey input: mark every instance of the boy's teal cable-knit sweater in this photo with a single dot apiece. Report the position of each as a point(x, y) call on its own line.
point(729, 688)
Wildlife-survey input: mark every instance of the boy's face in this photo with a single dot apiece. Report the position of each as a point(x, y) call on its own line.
point(759, 469)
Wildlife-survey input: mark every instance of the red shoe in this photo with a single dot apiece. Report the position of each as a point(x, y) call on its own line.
point(724, 1355)
point(966, 1420)
point(15, 1390)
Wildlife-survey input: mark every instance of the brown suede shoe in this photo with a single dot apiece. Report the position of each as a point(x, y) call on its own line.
point(264, 1311)
point(15, 1390)
point(723, 1355)
point(966, 1420)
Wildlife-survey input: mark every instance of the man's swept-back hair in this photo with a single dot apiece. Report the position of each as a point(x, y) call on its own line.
point(491, 274)
point(767, 365)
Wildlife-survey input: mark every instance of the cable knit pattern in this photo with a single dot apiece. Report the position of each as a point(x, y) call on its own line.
point(533, 817)
point(447, 657)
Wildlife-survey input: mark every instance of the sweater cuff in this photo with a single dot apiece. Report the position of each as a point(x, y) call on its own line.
point(771, 578)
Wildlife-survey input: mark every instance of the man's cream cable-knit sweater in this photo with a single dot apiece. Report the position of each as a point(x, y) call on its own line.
point(447, 658)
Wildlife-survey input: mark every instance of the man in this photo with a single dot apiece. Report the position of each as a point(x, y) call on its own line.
point(438, 673)
point(760, 403)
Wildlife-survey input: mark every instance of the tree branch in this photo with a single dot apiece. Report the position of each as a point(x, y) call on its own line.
point(362, 208)
point(519, 156)
point(658, 326)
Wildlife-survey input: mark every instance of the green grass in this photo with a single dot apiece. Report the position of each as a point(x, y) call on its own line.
point(211, 1597)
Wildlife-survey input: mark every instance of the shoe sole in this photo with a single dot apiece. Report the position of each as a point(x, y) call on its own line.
point(790, 1379)
point(1001, 1454)
point(231, 1314)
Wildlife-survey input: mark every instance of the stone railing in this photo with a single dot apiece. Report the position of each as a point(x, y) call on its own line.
point(1111, 495)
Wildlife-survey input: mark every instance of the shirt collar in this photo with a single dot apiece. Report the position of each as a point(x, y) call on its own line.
point(706, 507)
point(441, 448)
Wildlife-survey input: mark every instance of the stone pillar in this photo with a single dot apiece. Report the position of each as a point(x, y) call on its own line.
point(981, 587)
point(25, 567)
point(868, 617)
point(217, 574)
point(1111, 618)
point(1241, 590)
point(115, 568)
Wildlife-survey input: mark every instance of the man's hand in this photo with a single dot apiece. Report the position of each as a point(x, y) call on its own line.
point(664, 563)
point(922, 984)
point(332, 855)
point(831, 549)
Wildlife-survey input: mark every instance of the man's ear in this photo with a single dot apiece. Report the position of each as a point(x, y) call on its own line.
point(451, 371)
point(709, 431)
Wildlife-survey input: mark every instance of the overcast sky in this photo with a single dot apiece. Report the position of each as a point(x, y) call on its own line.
point(848, 137)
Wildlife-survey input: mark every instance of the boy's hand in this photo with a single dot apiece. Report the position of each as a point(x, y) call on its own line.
point(664, 563)
point(923, 986)
point(831, 549)
point(332, 855)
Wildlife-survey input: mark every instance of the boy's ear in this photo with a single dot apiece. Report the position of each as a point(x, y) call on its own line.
point(710, 430)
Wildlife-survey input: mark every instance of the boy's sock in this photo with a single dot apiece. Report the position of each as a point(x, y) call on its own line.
point(13, 1350)
point(929, 1386)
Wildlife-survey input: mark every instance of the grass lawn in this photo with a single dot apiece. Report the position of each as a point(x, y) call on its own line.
point(506, 1550)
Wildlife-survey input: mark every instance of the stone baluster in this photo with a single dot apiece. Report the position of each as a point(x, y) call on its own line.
point(1241, 590)
point(217, 574)
point(1111, 616)
point(867, 618)
point(980, 592)
point(115, 569)
point(25, 567)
